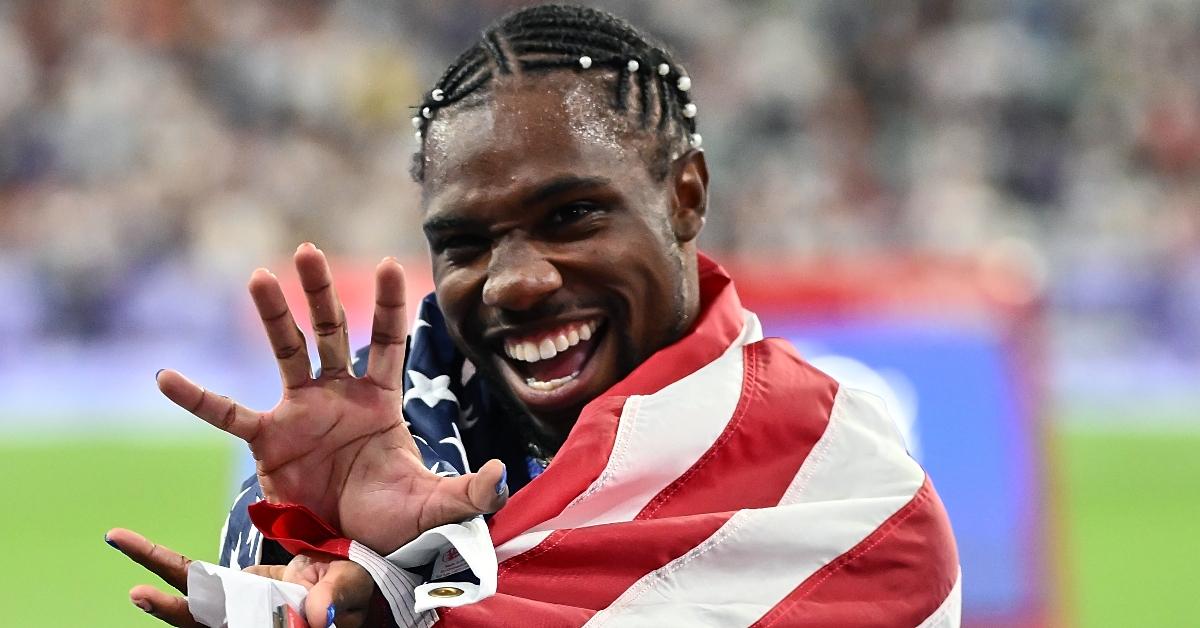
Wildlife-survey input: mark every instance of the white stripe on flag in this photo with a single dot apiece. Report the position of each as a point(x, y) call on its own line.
point(658, 438)
point(855, 478)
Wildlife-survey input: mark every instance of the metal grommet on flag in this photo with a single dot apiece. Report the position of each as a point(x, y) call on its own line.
point(444, 592)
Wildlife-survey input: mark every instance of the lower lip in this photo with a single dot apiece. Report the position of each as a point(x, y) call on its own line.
point(563, 396)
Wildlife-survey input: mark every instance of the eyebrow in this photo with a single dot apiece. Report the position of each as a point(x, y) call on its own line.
point(555, 187)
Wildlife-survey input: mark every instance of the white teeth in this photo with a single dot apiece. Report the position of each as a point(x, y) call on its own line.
point(552, 384)
point(529, 351)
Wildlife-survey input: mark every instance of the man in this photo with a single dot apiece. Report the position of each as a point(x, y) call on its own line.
point(647, 456)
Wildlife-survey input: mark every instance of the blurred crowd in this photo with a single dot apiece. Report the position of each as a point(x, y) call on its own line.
point(151, 146)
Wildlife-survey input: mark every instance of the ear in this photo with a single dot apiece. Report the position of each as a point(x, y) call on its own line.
point(689, 195)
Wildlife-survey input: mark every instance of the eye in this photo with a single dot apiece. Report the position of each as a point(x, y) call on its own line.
point(573, 213)
point(460, 247)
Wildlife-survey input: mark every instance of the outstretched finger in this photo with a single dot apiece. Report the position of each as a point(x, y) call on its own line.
point(287, 342)
point(219, 411)
point(171, 609)
point(165, 563)
point(389, 331)
point(325, 309)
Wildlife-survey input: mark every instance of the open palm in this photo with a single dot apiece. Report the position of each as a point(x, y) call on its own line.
point(338, 444)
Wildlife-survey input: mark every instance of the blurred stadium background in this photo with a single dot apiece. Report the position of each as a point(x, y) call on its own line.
point(990, 209)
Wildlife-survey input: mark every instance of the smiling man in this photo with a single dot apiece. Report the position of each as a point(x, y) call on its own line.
point(649, 458)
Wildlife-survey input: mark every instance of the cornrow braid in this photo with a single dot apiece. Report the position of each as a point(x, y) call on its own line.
point(558, 36)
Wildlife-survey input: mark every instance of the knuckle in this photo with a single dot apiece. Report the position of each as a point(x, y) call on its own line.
point(230, 415)
point(329, 328)
point(275, 317)
point(289, 351)
point(384, 338)
point(199, 402)
point(318, 289)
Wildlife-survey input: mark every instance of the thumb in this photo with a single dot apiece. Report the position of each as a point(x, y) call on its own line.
point(488, 487)
point(462, 497)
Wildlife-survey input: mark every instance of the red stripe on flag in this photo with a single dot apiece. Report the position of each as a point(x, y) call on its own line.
point(897, 576)
point(750, 465)
point(502, 611)
point(589, 567)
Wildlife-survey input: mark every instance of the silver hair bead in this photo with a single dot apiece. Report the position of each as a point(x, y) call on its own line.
point(427, 112)
point(684, 83)
point(633, 65)
point(689, 110)
point(695, 140)
point(664, 69)
point(437, 95)
point(585, 62)
point(416, 122)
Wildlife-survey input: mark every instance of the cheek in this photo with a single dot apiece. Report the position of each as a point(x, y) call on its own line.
point(647, 279)
point(455, 295)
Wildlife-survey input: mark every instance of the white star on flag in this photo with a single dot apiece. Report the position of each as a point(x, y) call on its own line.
point(431, 391)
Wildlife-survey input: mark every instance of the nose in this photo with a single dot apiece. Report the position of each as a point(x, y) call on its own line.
point(519, 276)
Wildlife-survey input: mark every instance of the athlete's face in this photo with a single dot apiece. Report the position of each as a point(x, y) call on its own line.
point(560, 262)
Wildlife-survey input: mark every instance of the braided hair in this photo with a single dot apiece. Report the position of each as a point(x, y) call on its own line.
point(556, 37)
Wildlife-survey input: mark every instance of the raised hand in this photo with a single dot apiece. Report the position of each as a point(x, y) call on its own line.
point(340, 585)
point(338, 444)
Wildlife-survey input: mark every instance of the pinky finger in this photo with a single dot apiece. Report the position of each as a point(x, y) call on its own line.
point(220, 412)
point(171, 609)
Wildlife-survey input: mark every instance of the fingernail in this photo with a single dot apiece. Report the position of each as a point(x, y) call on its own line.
point(503, 483)
point(111, 543)
point(144, 605)
point(329, 615)
point(158, 372)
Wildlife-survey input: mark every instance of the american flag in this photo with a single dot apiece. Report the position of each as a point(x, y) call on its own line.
point(725, 482)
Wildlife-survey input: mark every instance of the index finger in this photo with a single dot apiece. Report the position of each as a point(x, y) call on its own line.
point(165, 563)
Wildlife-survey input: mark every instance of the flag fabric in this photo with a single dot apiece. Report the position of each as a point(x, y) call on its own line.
point(725, 482)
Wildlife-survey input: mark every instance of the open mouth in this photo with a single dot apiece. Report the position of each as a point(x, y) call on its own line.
point(551, 367)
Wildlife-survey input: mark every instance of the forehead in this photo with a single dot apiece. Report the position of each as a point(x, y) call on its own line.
point(532, 129)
